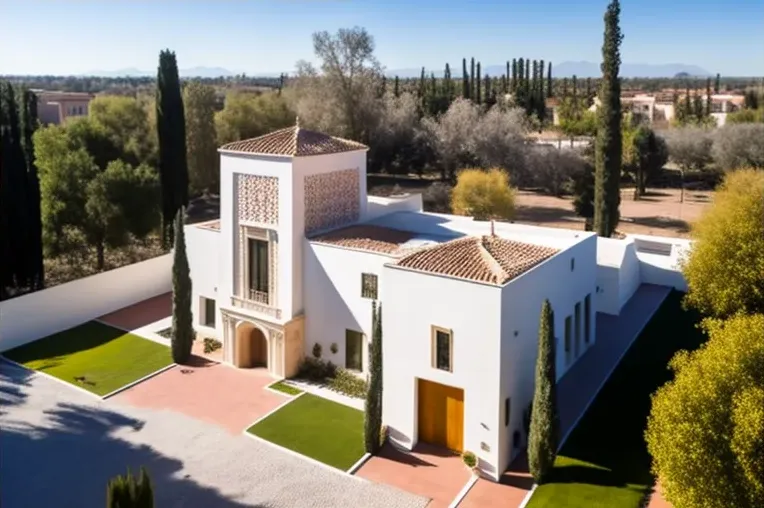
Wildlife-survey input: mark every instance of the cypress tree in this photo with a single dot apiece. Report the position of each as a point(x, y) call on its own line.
point(527, 73)
point(545, 421)
point(447, 84)
point(708, 97)
point(472, 78)
point(718, 83)
point(507, 77)
point(487, 91)
point(477, 85)
point(14, 207)
point(588, 91)
point(513, 82)
point(541, 91)
point(373, 405)
point(574, 84)
point(28, 125)
point(182, 322)
point(608, 149)
point(465, 80)
point(129, 492)
point(549, 91)
point(520, 75)
point(171, 133)
point(396, 87)
point(564, 88)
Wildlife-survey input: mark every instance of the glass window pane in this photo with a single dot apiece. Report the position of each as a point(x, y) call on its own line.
point(442, 350)
point(353, 350)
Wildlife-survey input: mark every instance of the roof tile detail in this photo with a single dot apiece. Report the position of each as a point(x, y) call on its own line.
point(295, 142)
point(489, 259)
point(367, 237)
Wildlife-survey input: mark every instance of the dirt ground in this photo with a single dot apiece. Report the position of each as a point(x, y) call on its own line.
point(659, 213)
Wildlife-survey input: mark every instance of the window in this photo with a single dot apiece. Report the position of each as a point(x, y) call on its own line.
point(572, 264)
point(568, 327)
point(258, 269)
point(442, 348)
point(79, 110)
point(587, 318)
point(578, 326)
point(208, 317)
point(369, 286)
point(353, 350)
point(506, 412)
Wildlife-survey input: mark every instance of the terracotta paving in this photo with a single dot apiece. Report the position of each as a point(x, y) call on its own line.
point(428, 471)
point(657, 500)
point(209, 391)
point(140, 314)
point(509, 491)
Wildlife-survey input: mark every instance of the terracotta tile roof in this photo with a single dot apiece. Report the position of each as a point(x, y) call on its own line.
point(295, 142)
point(367, 237)
point(485, 259)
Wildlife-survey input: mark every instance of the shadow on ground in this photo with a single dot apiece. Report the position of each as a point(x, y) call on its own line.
point(67, 459)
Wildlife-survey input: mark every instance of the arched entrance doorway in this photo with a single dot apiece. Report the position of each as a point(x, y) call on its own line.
point(251, 347)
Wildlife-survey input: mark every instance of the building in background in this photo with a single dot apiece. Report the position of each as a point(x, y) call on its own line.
point(57, 107)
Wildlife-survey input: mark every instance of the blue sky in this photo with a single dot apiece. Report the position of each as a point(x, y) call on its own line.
point(77, 36)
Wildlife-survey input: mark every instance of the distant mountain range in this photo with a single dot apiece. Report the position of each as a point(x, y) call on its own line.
point(565, 69)
point(579, 69)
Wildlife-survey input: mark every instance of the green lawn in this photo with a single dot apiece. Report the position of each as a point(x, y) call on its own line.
point(281, 386)
point(324, 430)
point(605, 462)
point(93, 356)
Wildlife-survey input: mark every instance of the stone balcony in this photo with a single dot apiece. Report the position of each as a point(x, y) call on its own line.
point(257, 301)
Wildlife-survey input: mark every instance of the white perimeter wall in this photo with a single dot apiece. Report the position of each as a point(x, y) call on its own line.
point(37, 315)
point(412, 304)
point(202, 251)
point(618, 274)
point(521, 305)
point(663, 270)
point(332, 296)
point(378, 206)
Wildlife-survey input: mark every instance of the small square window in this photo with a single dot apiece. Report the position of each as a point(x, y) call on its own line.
point(369, 286)
point(442, 349)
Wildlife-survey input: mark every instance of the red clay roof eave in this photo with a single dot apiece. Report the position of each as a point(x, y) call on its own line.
point(391, 255)
point(287, 156)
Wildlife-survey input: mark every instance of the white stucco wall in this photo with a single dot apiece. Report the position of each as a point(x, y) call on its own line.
point(332, 297)
point(662, 270)
point(618, 274)
point(202, 246)
point(412, 304)
point(37, 315)
point(521, 305)
point(378, 206)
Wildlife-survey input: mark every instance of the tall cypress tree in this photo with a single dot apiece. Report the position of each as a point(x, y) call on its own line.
point(447, 85)
point(182, 321)
point(465, 80)
point(513, 82)
point(35, 267)
point(373, 404)
point(171, 133)
point(545, 421)
point(520, 75)
point(541, 91)
point(574, 84)
point(478, 98)
point(507, 78)
point(487, 91)
point(708, 97)
point(472, 78)
point(14, 207)
point(396, 87)
point(527, 73)
point(549, 90)
point(588, 92)
point(608, 148)
point(718, 83)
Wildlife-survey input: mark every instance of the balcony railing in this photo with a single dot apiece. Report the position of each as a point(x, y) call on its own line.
point(258, 301)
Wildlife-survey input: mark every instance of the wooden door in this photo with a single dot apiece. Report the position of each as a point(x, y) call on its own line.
point(441, 415)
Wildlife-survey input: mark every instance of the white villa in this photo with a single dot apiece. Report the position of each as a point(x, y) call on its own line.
point(301, 251)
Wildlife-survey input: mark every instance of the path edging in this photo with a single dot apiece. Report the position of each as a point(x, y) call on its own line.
point(527, 497)
point(360, 462)
point(53, 378)
point(138, 381)
point(465, 490)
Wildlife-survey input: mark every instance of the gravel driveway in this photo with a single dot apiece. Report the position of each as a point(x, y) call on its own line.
point(59, 448)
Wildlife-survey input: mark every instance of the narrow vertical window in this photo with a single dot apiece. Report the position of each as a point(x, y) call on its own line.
point(353, 350)
point(587, 318)
point(442, 349)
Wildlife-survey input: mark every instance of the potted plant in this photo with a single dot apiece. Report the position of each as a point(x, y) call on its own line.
point(471, 461)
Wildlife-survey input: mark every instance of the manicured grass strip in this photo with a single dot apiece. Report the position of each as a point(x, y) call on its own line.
point(93, 356)
point(321, 429)
point(605, 462)
point(281, 386)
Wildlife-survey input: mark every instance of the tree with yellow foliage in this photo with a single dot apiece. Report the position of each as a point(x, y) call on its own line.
point(725, 268)
point(706, 427)
point(483, 194)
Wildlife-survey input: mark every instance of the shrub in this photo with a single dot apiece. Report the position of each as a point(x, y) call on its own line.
point(437, 198)
point(129, 492)
point(739, 146)
point(483, 194)
point(315, 369)
point(553, 169)
point(333, 348)
point(211, 345)
point(317, 349)
point(348, 383)
point(470, 459)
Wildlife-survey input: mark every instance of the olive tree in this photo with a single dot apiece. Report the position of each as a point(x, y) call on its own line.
point(739, 146)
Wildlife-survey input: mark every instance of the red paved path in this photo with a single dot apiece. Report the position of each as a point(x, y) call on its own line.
point(140, 314)
point(209, 391)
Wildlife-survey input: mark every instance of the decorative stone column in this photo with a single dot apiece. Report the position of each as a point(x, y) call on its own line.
point(276, 360)
point(229, 337)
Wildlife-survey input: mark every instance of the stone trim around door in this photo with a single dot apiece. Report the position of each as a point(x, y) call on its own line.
point(274, 336)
